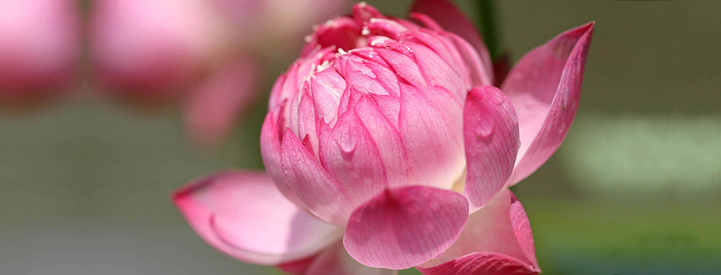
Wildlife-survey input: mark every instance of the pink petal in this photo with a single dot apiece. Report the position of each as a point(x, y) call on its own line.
point(242, 214)
point(497, 239)
point(387, 139)
point(481, 263)
point(297, 267)
point(326, 88)
point(430, 125)
point(451, 19)
point(213, 108)
point(336, 261)
point(437, 71)
point(491, 143)
point(315, 188)
point(404, 227)
point(270, 151)
point(351, 157)
point(544, 88)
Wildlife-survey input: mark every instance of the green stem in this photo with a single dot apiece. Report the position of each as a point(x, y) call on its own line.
point(488, 27)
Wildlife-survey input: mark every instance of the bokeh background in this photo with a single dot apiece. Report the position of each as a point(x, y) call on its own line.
point(635, 188)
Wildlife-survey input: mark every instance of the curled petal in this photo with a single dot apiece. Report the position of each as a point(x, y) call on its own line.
point(315, 188)
point(544, 88)
point(490, 130)
point(497, 239)
point(243, 214)
point(406, 226)
point(451, 19)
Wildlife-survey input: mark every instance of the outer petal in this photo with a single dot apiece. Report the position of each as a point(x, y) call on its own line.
point(544, 88)
point(315, 188)
point(270, 137)
point(244, 215)
point(496, 240)
point(213, 108)
point(453, 20)
point(335, 260)
point(405, 227)
point(490, 129)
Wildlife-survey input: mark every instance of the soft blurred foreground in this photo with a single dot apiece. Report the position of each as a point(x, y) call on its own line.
point(634, 189)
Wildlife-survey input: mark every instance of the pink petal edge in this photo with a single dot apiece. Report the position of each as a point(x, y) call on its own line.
point(448, 16)
point(335, 260)
point(544, 88)
point(243, 214)
point(490, 131)
point(404, 227)
point(496, 240)
point(320, 193)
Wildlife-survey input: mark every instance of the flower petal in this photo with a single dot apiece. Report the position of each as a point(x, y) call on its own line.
point(315, 188)
point(490, 129)
point(243, 214)
point(335, 260)
point(497, 239)
point(544, 88)
point(270, 149)
point(404, 227)
point(351, 157)
point(387, 140)
point(213, 108)
point(451, 19)
point(430, 125)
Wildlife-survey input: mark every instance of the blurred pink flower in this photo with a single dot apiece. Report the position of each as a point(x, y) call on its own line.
point(387, 147)
point(202, 54)
point(39, 49)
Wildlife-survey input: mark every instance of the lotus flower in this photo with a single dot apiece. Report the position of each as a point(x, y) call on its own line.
point(388, 147)
point(39, 49)
point(201, 54)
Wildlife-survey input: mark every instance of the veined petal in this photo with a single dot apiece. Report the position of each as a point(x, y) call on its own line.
point(336, 261)
point(406, 226)
point(270, 151)
point(350, 156)
point(243, 214)
point(544, 88)
point(315, 188)
point(437, 71)
point(387, 139)
point(451, 19)
point(327, 88)
point(430, 125)
point(490, 129)
point(497, 240)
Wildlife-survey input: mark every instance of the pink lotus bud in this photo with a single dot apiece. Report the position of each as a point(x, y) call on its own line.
point(39, 48)
point(378, 102)
point(391, 131)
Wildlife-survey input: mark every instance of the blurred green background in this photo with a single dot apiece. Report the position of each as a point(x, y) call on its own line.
point(635, 189)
